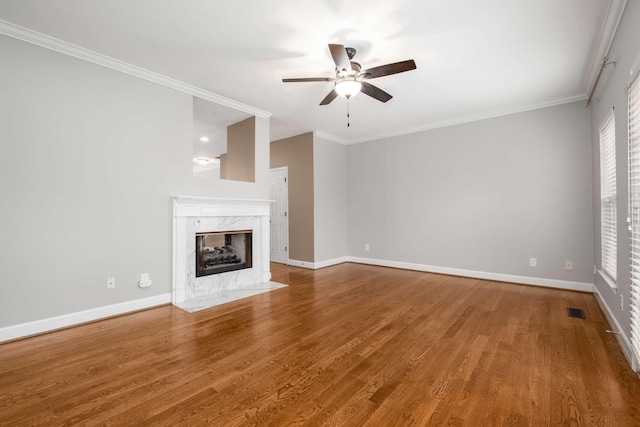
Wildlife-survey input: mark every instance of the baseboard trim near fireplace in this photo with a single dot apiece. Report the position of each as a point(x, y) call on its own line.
point(524, 280)
point(303, 264)
point(318, 264)
point(36, 327)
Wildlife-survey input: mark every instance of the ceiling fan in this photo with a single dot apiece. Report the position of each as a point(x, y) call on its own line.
point(350, 78)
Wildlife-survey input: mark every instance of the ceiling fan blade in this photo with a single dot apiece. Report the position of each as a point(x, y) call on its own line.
point(309, 79)
point(386, 70)
point(340, 57)
point(375, 92)
point(330, 97)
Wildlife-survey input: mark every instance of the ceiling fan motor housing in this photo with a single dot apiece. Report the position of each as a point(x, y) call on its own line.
point(351, 52)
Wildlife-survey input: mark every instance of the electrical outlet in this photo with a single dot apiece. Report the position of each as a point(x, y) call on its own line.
point(568, 265)
point(533, 262)
point(366, 247)
point(111, 282)
point(144, 282)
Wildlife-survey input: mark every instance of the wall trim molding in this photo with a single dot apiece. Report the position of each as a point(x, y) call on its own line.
point(303, 264)
point(61, 46)
point(43, 40)
point(330, 262)
point(456, 120)
point(329, 137)
point(623, 340)
point(472, 118)
point(73, 319)
point(499, 277)
point(319, 264)
point(523, 280)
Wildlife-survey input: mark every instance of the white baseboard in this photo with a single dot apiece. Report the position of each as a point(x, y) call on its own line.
point(330, 262)
point(71, 319)
point(319, 264)
point(534, 281)
point(623, 340)
point(303, 264)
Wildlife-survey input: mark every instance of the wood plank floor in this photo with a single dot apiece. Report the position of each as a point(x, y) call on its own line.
point(345, 345)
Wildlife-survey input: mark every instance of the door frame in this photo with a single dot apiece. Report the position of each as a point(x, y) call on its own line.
point(285, 169)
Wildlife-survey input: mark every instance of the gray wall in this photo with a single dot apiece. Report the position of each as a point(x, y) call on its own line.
point(330, 204)
point(89, 159)
point(612, 92)
point(483, 196)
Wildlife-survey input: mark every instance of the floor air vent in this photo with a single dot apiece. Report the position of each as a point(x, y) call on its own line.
point(575, 312)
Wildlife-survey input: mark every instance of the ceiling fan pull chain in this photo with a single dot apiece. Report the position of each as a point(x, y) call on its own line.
point(348, 124)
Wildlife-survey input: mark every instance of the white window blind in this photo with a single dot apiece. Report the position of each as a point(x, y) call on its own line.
point(634, 210)
point(608, 208)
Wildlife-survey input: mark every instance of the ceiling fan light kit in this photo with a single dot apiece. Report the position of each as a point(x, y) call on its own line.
point(348, 87)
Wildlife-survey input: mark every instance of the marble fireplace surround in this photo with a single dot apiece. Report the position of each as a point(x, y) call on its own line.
point(193, 215)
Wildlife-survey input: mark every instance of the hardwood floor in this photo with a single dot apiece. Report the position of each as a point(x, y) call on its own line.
point(345, 345)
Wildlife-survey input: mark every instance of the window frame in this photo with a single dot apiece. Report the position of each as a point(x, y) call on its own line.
point(608, 201)
point(633, 123)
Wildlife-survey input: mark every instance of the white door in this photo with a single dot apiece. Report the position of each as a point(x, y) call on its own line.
point(279, 215)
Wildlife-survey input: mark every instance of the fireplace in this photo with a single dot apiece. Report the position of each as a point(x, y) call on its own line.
point(224, 251)
point(230, 219)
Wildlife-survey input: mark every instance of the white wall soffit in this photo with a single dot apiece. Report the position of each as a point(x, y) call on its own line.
point(608, 33)
point(43, 40)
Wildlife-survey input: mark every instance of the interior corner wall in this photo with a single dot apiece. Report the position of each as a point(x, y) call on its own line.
point(89, 160)
point(483, 196)
point(612, 93)
point(240, 156)
point(296, 153)
point(330, 204)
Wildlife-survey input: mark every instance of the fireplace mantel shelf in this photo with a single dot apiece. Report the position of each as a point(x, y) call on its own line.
point(210, 206)
point(190, 200)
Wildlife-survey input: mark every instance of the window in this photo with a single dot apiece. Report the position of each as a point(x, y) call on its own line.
point(634, 210)
point(608, 196)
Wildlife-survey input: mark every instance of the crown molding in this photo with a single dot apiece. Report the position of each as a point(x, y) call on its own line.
point(329, 137)
point(614, 15)
point(48, 42)
point(607, 34)
point(457, 120)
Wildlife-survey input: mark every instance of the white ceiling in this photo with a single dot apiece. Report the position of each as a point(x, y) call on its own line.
point(475, 58)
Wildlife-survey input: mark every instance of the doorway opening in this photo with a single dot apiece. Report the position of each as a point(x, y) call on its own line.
point(279, 192)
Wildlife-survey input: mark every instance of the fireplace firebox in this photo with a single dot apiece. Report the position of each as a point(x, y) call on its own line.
point(220, 252)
